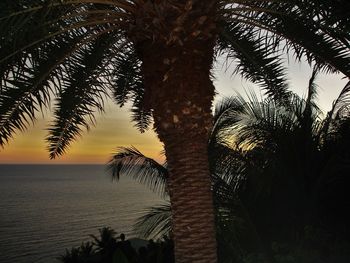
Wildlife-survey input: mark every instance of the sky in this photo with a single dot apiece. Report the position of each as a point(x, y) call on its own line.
point(114, 128)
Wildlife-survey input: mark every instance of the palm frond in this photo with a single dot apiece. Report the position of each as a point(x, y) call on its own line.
point(83, 93)
point(132, 163)
point(223, 113)
point(226, 104)
point(141, 116)
point(26, 26)
point(255, 121)
point(340, 107)
point(29, 86)
point(128, 85)
point(309, 118)
point(342, 102)
point(306, 28)
point(255, 61)
point(32, 72)
point(127, 75)
point(155, 223)
point(312, 88)
point(228, 168)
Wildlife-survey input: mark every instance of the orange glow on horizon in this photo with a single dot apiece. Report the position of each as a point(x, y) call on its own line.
point(113, 130)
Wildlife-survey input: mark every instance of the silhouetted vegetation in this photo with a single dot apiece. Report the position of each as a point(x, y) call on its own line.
point(157, 56)
point(106, 249)
point(288, 178)
point(280, 180)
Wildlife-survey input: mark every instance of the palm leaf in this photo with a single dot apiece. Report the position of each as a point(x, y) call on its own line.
point(300, 27)
point(255, 61)
point(141, 116)
point(127, 75)
point(340, 107)
point(83, 93)
point(31, 86)
point(37, 23)
point(155, 223)
point(342, 102)
point(132, 163)
point(310, 122)
point(128, 85)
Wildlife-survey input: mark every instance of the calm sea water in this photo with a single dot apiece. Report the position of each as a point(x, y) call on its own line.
point(45, 209)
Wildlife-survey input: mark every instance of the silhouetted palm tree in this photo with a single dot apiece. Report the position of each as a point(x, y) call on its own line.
point(106, 242)
point(158, 55)
point(287, 160)
point(83, 254)
point(103, 249)
point(292, 172)
point(275, 169)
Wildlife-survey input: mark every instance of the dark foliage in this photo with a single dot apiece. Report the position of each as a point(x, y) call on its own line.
point(279, 176)
point(73, 54)
point(106, 248)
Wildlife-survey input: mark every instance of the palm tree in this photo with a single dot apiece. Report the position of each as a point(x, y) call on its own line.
point(83, 254)
point(293, 171)
point(158, 55)
point(106, 243)
point(104, 249)
point(271, 165)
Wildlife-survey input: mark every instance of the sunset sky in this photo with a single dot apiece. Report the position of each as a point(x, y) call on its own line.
point(114, 128)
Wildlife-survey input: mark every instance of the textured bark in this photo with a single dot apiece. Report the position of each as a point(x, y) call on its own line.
point(191, 201)
point(182, 113)
point(175, 41)
point(182, 120)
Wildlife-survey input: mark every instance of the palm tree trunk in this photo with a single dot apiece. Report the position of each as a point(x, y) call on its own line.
point(185, 138)
point(175, 41)
point(191, 200)
point(181, 100)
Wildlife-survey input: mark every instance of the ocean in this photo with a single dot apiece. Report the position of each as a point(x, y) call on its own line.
point(45, 209)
